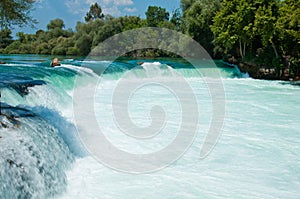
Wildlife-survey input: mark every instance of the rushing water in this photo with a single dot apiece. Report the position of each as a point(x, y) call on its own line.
point(256, 156)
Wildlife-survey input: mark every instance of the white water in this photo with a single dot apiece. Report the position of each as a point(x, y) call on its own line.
point(257, 155)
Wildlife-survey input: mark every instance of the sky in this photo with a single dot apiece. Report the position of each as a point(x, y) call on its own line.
point(71, 11)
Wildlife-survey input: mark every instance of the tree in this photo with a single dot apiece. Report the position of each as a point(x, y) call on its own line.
point(26, 38)
point(56, 23)
point(131, 22)
point(21, 37)
point(84, 44)
point(241, 22)
point(95, 12)
point(55, 28)
point(16, 12)
point(288, 25)
point(198, 19)
point(5, 38)
point(186, 4)
point(233, 24)
point(265, 23)
point(155, 15)
point(176, 19)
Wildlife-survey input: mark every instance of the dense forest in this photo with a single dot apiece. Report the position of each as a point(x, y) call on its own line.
point(262, 36)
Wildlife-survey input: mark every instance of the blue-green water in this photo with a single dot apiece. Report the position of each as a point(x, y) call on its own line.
point(256, 155)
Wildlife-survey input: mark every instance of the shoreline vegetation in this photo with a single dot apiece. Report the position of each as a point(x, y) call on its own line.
point(261, 37)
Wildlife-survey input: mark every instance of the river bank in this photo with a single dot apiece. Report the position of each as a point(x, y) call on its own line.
point(282, 72)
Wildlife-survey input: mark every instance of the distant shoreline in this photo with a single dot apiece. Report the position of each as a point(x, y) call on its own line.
point(254, 71)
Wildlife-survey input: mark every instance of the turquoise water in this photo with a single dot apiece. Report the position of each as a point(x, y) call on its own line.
point(256, 155)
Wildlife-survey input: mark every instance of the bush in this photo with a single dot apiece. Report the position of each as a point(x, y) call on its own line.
point(58, 51)
point(72, 51)
point(43, 48)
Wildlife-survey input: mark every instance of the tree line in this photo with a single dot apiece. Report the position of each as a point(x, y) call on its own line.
point(264, 33)
point(56, 40)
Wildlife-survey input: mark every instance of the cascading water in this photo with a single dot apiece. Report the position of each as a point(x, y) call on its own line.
point(41, 155)
point(38, 141)
point(33, 155)
point(238, 71)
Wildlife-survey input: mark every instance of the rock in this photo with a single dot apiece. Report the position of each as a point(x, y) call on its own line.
point(3, 125)
point(7, 121)
point(262, 70)
point(9, 115)
point(55, 62)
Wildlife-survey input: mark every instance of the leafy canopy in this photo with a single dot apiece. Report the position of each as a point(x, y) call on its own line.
point(156, 15)
point(95, 12)
point(16, 12)
point(56, 23)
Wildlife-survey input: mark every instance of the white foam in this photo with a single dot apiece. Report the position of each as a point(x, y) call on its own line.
point(254, 158)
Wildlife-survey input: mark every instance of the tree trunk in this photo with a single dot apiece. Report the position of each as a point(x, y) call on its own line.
point(274, 48)
point(241, 50)
point(244, 49)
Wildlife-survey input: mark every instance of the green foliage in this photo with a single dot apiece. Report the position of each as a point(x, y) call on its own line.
point(16, 12)
point(58, 50)
point(14, 46)
point(155, 15)
point(265, 23)
point(25, 49)
point(101, 30)
point(186, 4)
point(131, 22)
point(233, 25)
point(25, 38)
point(54, 41)
point(288, 25)
point(84, 44)
point(242, 23)
point(72, 51)
point(56, 24)
point(43, 48)
point(265, 55)
point(5, 38)
point(198, 19)
point(94, 13)
point(176, 19)
point(62, 45)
